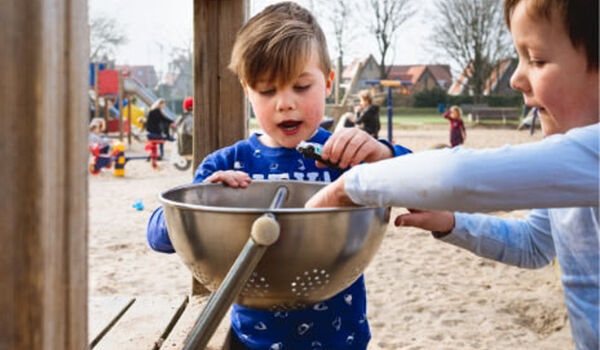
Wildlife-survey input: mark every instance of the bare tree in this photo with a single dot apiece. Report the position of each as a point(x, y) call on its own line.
point(106, 35)
point(340, 12)
point(472, 34)
point(387, 17)
point(181, 67)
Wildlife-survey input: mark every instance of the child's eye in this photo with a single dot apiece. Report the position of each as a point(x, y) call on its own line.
point(267, 92)
point(301, 87)
point(536, 62)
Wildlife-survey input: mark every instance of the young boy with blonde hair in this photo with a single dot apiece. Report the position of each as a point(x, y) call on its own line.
point(282, 61)
point(557, 45)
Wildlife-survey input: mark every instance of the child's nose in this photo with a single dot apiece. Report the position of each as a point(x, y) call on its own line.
point(285, 102)
point(519, 81)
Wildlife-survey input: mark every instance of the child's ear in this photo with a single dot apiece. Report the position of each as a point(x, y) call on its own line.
point(329, 83)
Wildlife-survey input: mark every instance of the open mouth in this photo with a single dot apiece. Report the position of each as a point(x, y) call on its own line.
point(289, 127)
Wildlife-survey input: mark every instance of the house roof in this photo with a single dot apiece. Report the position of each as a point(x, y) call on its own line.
point(442, 74)
point(492, 82)
point(458, 86)
point(349, 70)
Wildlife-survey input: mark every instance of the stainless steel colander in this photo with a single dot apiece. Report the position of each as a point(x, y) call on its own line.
point(317, 253)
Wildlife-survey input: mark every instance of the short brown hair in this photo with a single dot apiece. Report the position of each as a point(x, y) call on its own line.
point(276, 44)
point(579, 17)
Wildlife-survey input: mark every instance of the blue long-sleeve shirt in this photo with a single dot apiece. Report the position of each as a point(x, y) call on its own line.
point(560, 172)
point(337, 323)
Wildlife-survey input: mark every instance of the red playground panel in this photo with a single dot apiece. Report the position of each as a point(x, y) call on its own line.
point(108, 82)
point(113, 126)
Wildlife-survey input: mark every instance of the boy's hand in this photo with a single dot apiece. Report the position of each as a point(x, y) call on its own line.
point(351, 146)
point(232, 178)
point(440, 221)
point(331, 196)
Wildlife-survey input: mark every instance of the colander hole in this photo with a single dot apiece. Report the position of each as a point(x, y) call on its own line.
point(315, 271)
point(266, 285)
point(322, 272)
point(305, 273)
point(262, 279)
point(317, 278)
point(293, 284)
point(308, 278)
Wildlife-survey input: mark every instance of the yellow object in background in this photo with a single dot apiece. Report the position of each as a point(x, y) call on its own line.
point(137, 113)
point(119, 155)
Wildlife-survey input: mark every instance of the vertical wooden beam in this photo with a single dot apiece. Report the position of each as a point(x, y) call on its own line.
point(128, 118)
point(219, 104)
point(120, 99)
point(43, 211)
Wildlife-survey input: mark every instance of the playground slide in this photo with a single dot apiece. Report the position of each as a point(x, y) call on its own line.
point(132, 86)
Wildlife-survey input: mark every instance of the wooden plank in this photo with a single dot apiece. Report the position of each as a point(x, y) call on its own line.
point(144, 324)
point(178, 335)
point(219, 104)
point(43, 211)
point(104, 312)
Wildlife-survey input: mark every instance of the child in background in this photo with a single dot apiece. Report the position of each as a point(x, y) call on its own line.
point(458, 134)
point(281, 58)
point(367, 114)
point(95, 139)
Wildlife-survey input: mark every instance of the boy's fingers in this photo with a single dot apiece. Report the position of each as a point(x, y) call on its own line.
point(354, 151)
point(334, 148)
point(414, 220)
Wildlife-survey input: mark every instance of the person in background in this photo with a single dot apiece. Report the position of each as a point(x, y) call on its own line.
point(557, 45)
point(96, 127)
point(366, 114)
point(158, 125)
point(458, 133)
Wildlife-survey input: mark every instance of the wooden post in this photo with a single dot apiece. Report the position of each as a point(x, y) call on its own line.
point(96, 105)
point(129, 111)
point(120, 100)
point(219, 104)
point(43, 211)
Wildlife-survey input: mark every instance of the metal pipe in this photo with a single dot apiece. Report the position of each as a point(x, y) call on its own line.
point(238, 274)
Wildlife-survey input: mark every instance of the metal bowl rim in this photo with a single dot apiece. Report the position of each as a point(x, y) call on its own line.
point(208, 208)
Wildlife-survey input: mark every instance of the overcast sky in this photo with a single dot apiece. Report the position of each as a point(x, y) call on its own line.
point(153, 27)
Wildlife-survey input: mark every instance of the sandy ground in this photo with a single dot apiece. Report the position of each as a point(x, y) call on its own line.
point(422, 293)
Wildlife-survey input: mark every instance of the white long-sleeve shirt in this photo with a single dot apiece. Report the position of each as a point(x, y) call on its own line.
point(560, 172)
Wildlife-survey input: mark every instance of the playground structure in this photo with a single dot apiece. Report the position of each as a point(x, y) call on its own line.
point(117, 158)
point(117, 89)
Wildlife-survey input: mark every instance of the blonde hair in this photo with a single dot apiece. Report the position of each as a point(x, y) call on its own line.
point(457, 109)
point(275, 45)
point(97, 123)
point(157, 103)
point(366, 95)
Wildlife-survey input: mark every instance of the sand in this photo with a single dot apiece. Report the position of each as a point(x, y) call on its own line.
point(422, 293)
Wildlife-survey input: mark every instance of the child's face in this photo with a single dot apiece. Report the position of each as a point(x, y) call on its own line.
point(552, 74)
point(454, 114)
point(292, 113)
